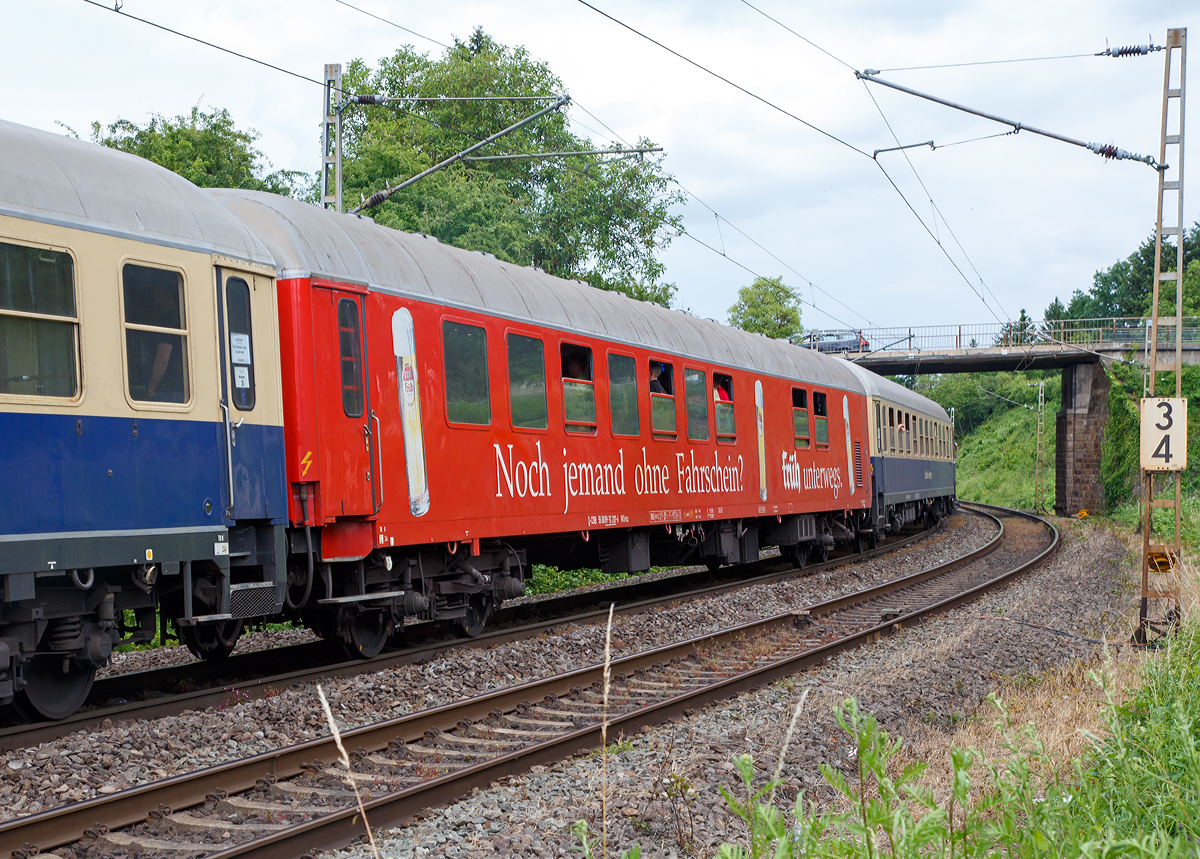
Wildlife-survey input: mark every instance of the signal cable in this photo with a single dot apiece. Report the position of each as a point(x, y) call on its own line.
point(987, 63)
point(798, 36)
point(726, 80)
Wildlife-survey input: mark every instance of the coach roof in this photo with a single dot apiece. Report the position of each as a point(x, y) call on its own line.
point(309, 241)
point(877, 386)
point(56, 179)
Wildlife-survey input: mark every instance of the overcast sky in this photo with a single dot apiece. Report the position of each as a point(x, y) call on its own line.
point(1035, 217)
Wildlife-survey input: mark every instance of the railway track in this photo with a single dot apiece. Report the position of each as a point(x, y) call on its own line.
point(294, 801)
point(194, 686)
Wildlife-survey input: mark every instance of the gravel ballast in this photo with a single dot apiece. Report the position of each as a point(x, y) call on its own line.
point(121, 755)
point(663, 783)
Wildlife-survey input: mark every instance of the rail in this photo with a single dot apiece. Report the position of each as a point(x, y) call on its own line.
point(438, 755)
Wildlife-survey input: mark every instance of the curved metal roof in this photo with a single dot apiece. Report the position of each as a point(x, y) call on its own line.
point(877, 386)
point(60, 180)
point(308, 241)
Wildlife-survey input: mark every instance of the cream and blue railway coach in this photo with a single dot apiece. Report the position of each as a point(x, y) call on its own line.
point(912, 454)
point(141, 439)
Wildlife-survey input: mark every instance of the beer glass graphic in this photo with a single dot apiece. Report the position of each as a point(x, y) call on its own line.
point(404, 345)
point(849, 447)
point(762, 441)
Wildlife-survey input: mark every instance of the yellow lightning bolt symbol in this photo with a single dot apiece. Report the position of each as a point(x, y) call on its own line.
point(306, 461)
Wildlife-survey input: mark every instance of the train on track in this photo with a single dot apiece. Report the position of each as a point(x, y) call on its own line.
point(218, 407)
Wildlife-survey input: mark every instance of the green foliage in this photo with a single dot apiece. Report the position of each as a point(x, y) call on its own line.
point(204, 148)
point(975, 397)
point(1136, 794)
point(1126, 287)
point(996, 462)
point(551, 580)
point(1120, 464)
point(601, 219)
point(768, 306)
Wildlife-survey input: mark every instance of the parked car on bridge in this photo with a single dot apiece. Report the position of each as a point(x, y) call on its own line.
point(836, 341)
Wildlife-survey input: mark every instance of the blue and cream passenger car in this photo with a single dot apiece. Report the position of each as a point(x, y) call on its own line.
point(140, 416)
point(912, 454)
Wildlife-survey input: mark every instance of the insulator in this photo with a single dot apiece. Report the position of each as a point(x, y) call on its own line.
point(1129, 51)
point(65, 633)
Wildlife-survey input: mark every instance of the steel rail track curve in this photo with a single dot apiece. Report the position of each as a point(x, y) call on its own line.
point(698, 669)
point(246, 674)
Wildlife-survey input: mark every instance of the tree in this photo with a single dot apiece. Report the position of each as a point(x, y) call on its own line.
point(768, 306)
point(600, 219)
point(204, 148)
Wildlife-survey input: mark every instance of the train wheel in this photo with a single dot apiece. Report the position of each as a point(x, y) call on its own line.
point(363, 633)
point(872, 540)
point(713, 564)
point(51, 693)
point(822, 554)
point(860, 544)
point(212, 640)
point(478, 610)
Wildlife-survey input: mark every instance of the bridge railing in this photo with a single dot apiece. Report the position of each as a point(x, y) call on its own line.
point(1109, 333)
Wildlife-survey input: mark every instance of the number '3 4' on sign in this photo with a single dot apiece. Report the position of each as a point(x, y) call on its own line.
point(1164, 434)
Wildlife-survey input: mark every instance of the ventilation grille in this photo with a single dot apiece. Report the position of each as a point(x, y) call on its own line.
point(857, 464)
point(252, 600)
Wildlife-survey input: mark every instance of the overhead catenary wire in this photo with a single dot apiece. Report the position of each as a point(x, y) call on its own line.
point(392, 23)
point(936, 210)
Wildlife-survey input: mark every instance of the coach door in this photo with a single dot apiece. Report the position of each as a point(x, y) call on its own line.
point(343, 405)
point(246, 447)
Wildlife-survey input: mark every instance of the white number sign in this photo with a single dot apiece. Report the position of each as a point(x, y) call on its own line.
point(1164, 434)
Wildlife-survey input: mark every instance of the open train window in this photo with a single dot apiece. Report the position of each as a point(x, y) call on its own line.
point(156, 334)
point(578, 387)
point(723, 407)
point(662, 400)
point(892, 429)
point(821, 419)
point(39, 328)
point(622, 394)
point(464, 352)
point(526, 382)
point(879, 427)
point(908, 432)
point(800, 418)
point(241, 345)
point(695, 386)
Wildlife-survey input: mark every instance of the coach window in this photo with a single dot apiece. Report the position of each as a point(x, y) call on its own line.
point(39, 327)
point(800, 418)
point(821, 420)
point(579, 390)
point(526, 382)
point(695, 387)
point(464, 350)
point(155, 334)
point(622, 395)
point(908, 432)
point(891, 430)
point(723, 408)
point(662, 399)
point(350, 353)
point(241, 347)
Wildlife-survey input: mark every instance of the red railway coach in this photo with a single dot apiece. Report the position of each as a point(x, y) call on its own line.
point(451, 419)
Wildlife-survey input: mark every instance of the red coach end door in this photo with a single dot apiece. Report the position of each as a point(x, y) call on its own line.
point(343, 410)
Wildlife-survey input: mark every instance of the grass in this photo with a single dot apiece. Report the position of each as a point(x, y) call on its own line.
point(1114, 771)
point(996, 462)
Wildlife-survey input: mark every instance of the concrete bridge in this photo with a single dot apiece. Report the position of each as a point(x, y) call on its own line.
point(1079, 347)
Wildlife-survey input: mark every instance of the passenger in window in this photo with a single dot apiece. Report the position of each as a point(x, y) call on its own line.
point(656, 387)
point(574, 368)
point(720, 395)
point(165, 383)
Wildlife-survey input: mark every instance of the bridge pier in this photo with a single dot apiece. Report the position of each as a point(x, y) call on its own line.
point(1079, 431)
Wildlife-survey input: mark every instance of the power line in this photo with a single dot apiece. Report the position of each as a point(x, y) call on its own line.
point(392, 23)
point(166, 29)
point(798, 36)
point(725, 80)
point(987, 62)
point(753, 241)
point(934, 206)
